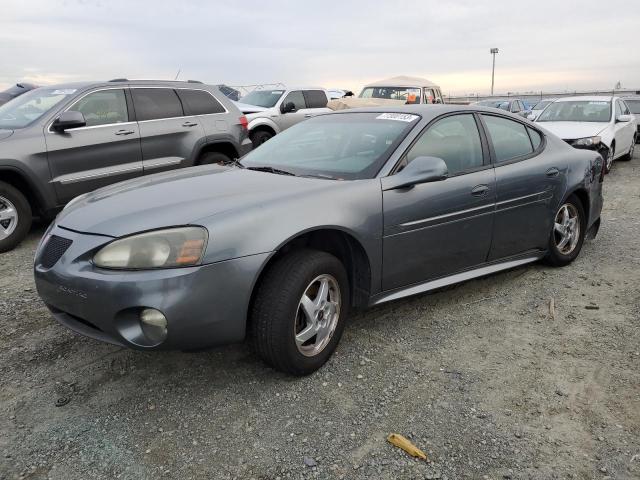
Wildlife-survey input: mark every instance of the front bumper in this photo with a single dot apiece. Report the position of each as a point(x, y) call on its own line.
point(204, 305)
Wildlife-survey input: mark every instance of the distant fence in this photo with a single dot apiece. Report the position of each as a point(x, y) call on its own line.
point(535, 96)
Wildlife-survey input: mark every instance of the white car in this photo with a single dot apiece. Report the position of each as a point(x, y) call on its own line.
point(271, 111)
point(537, 109)
point(602, 123)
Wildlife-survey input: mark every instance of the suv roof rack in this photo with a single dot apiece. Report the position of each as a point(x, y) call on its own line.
point(119, 80)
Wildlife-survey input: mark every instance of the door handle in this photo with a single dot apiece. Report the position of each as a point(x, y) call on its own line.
point(125, 132)
point(479, 190)
point(189, 124)
point(552, 172)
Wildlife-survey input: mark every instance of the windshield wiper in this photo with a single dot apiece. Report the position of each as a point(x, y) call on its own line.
point(271, 170)
point(320, 175)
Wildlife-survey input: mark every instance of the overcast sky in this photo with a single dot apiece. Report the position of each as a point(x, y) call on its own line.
point(544, 45)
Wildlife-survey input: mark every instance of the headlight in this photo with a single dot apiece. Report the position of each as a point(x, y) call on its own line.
point(587, 142)
point(175, 247)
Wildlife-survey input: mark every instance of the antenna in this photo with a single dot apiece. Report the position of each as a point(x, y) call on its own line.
point(177, 74)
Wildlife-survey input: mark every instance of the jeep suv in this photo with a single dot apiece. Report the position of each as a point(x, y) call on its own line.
point(62, 141)
point(271, 111)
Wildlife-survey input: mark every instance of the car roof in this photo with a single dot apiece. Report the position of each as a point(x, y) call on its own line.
point(586, 98)
point(428, 110)
point(402, 81)
point(82, 85)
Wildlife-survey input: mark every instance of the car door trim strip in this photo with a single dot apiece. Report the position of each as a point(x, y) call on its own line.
point(97, 173)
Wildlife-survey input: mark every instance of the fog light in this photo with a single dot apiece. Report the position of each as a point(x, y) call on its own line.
point(154, 325)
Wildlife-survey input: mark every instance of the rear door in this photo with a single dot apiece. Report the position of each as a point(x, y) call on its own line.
point(624, 130)
point(105, 151)
point(168, 136)
point(437, 229)
point(316, 101)
point(529, 184)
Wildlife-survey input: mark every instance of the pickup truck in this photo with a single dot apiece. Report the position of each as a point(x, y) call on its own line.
point(270, 111)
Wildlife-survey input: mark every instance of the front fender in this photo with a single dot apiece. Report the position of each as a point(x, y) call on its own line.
point(266, 122)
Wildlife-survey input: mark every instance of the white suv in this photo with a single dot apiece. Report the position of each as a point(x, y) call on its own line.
point(271, 111)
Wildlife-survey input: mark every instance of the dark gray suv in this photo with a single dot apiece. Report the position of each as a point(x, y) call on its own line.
point(62, 141)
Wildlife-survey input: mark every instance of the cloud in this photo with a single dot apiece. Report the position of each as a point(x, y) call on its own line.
point(552, 45)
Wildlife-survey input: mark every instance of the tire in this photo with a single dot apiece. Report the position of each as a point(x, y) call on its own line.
point(278, 322)
point(608, 160)
point(557, 255)
point(259, 137)
point(629, 154)
point(15, 217)
point(209, 158)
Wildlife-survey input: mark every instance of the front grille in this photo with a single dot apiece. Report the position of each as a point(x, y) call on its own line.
point(53, 250)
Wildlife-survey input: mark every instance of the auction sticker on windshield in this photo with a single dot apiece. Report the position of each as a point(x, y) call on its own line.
point(400, 117)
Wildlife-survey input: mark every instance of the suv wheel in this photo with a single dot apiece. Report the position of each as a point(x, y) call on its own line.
point(567, 235)
point(15, 217)
point(259, 137)
point(209, 158)
point(299, 311)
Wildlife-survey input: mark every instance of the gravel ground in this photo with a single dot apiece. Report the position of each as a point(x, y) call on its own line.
point(481, 377)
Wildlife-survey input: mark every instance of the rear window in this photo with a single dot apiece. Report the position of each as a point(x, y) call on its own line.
point(510, 139)
point(199, 102)
point(155, 103)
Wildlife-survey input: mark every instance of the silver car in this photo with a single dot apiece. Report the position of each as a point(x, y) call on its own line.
point(349, 209)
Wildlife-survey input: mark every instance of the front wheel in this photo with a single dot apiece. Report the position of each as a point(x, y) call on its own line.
point(608, 161)
point(259, 137)
point(567, 235)
point(15, 217)
point(210, 158)
point(299, 311)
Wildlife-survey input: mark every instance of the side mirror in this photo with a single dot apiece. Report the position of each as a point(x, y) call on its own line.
point(419, 170)
point(623, 118)
point(69, 120)
point(288, 107)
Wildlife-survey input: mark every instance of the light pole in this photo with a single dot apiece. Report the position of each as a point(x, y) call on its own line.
point(493, 52)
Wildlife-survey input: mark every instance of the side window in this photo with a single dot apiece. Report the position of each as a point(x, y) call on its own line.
point(536, 139)
point(510, 139)
point(618, 109)
point(429, 96)
point(297, 98)
point(155, 103)
point(315, 98)
point(199, 102)
point(454, 139)
point(515, 106)
point(103, 107)
point(625, 108)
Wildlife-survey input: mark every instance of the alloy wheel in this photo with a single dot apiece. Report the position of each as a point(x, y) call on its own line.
point(566, 228)
point(632, 149)
point(8, 218)
point(610, 159)
point(317, 316)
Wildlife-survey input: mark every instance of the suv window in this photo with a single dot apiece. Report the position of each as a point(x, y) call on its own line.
point(103, 107)
point(510, 139)
point(154, 103)
point(315, 98)
point(296, 98)
point(454, 139)
point(199, 102)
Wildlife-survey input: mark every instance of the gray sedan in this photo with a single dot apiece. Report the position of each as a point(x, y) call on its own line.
point(345, 210)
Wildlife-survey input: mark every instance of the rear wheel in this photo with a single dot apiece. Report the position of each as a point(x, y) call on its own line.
point(567, 235)
point(259, 137)
point(299, 311)
point(629, 155)
point(15, 217)
point(209, 158)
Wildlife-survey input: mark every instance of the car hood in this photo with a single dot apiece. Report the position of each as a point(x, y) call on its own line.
point(573, 130)
point(246, 108)
point(179, 198)
point(5, 133)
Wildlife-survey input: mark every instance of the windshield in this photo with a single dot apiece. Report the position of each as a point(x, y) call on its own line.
point(406, 94)
point(577, 111)
point(27, 108)
point(262, 98)
point(349, 146)
point(634, 105)
point(501, 104)
point(540, 105)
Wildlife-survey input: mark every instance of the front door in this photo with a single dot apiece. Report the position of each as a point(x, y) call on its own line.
point(288, 119)
point(528, 185)
point(105, 151)
point(437, 229)
point(624, 130)
point(168, 137)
